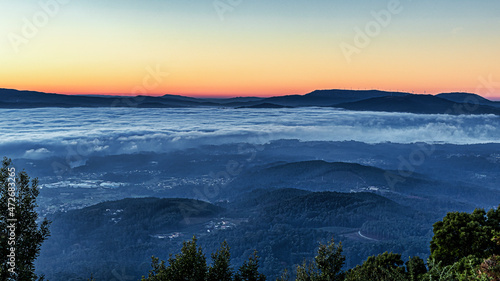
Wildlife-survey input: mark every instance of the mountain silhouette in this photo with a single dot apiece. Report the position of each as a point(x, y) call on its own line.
point(368, 100)
point(468, 98)
point(421, 104)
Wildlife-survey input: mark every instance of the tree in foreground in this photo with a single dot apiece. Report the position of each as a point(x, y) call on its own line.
point(190, 265)
point(466, 269)
point(20, 237)
point(490, 268)
point(465, 247)
point(383, 267)
point(221, 269)
point(461, 235)
point(249, 271)
point(416, 268)
point(327, 264)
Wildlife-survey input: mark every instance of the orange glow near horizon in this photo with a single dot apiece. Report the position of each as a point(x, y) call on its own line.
point(203, 93)
point(115, 49)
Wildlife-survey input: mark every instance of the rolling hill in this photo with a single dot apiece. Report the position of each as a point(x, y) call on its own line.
point(369, 100)
point(109, 236)
point(471, 99)
point(420, 104)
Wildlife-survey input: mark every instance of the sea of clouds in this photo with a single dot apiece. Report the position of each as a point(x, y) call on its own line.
point(47, 132)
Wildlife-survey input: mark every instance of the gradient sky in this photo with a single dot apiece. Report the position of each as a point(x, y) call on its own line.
point(257, 48)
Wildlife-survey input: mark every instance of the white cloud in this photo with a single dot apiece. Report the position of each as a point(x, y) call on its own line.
point(36, 153)
point(116, 131)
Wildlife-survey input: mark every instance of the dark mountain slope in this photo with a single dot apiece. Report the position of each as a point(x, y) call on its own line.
point(352, 177)
point(114, 236)
point(311, 175)
point(147, 214)
point(329, 97)
point(370, 100)
point(265, 105)
point(468, 98)
point(29, 99)
point(286, 227)
point(421, 104)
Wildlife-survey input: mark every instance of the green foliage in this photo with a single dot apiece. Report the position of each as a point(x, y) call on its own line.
point(307, 272)
point(158, 271)
point(249, 271)
point(490, 268)
point(221, 270)
point(384, 267)
point(189, 265)
point(327, 267)
point(466, 269)
point(438, 272)
point(330, 261)
point(285, 276)
point(18, 215)
point(416, 268)
point(462, 234)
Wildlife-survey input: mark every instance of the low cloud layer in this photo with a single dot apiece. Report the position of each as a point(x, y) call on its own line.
point(40, 133)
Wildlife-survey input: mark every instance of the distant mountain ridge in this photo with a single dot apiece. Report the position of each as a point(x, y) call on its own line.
point(359, 100)
point(422, 104)
point(468, 98)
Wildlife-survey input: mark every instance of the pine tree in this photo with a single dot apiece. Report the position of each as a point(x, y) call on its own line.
point(190, 264)
point(327, 264)
point(330, 261)
point(158, 271)
point(249, 271)
point(416, 268)
point(20, 237)
point(220, 269)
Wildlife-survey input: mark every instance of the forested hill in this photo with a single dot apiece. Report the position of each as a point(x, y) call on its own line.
point(318, 175)
point(283, 224)
point(311, 175)
point(126, 232)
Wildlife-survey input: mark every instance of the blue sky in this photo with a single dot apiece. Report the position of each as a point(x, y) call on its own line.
point(229, 47)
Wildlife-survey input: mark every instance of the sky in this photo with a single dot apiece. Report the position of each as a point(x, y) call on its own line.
point(222, 48)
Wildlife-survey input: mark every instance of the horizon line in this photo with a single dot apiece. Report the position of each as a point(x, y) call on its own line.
point(222, 96)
